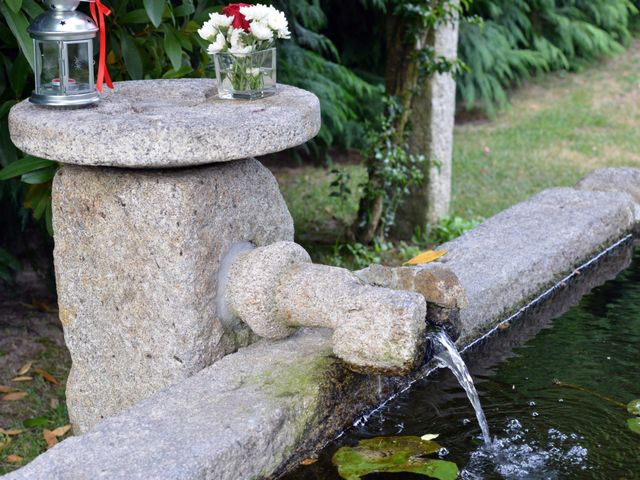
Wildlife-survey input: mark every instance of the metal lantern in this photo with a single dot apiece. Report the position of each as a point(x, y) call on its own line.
point(64, 66)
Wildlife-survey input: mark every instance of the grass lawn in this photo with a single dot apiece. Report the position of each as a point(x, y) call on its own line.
point(556, 130)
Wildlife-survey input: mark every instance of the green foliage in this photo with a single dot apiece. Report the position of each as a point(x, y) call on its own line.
point(518, 38)
point(447, 229)
point(8, 265)
point(390, 164)
point(345, 98)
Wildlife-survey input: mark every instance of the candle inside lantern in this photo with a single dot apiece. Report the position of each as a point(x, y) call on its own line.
point(71, 83)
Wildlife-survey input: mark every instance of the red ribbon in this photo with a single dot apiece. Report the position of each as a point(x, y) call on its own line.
point(98, 12)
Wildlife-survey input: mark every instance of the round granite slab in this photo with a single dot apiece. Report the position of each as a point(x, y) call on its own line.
point(166, 123)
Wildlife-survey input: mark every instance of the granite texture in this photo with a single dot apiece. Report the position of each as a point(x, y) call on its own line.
point(619, 179)
point(166, 123)
point(512, 257)
point(253, 278)
point(276, 288)
point(438, 285)
point(136, 258)
point(242, 418)
point(375, 330)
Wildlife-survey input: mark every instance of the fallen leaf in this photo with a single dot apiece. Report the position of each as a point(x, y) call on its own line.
point(41, 306)
point(429, 436)
point(53, 403)
point(393, 455)
point(426, 257)
point(60, 431)
point(25, 368)
point(14, 458)
point(47, 376)
point(5, 389)
point(504, 326)
point(12, 397)
point(15, 431)
point(22, 378)
point(634, 424)
point(49, 437)
point(308, 461)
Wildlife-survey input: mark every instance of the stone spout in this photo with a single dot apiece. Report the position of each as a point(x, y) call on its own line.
point(275, 289)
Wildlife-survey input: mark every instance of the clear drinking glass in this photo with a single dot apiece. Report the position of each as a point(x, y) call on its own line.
point(246, 76)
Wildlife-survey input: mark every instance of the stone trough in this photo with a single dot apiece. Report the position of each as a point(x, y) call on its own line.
point(204, 342)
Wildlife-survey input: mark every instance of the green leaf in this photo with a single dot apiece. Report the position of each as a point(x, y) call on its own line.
point(134, 16)
point(14, 5)
point(393, 455)
point(43, 175)
point(24, 165)
point(40, 205)
point(18, 25)
point(633, 407)
point(36, 422)
point(172, 46)
point(19, 74)
point(634, 424)
point(32, 8)
point(183, 71)
point(132, 58)
point(8, 260)
point(184, 10)
point(154, 10)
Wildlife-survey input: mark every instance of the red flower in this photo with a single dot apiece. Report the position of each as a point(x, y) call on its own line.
point(233, 10)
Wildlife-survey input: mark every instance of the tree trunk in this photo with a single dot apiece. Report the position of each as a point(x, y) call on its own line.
point(401, 77)
point(432, 123)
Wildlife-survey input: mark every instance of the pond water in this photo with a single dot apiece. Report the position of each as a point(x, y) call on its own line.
point(553, 392)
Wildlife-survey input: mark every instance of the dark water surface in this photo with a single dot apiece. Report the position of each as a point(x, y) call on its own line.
point(542, 430)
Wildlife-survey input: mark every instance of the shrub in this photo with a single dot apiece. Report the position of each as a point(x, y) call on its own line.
point(518, 38)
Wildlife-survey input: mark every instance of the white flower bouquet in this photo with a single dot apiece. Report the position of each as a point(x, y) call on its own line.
point(241, 40)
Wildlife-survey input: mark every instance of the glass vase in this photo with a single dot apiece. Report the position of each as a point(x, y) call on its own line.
point(246, 76)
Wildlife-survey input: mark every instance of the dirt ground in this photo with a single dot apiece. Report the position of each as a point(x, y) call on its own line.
point(30, 336)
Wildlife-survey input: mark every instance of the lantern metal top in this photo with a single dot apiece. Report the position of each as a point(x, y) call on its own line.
point(63, 22)
point(67, 5)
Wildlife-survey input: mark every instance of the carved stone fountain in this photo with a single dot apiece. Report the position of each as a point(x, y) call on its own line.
point(157, 190)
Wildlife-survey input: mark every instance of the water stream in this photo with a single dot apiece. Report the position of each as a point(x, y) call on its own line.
point(447, 353)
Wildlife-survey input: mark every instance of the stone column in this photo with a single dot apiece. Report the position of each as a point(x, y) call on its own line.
point(156, 188)
point(433, 119)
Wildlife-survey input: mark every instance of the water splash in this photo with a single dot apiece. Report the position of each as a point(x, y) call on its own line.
point(449, 356)
point(515, 456)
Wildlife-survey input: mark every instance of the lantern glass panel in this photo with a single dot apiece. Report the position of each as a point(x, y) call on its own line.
point(79, 64)
point(48, 77)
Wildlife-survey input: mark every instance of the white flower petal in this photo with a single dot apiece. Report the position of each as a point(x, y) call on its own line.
point(261, 31)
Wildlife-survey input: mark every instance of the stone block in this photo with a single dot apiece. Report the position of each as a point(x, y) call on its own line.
point(136, 256)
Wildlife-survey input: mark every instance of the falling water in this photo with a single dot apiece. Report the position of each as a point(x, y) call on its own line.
point(451, 358)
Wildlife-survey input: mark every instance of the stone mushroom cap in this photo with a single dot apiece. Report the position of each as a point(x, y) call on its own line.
point(166, 123)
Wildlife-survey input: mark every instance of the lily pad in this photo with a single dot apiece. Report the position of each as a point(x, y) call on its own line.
point(633, 407)
point(634, 424)
point(393, 455)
